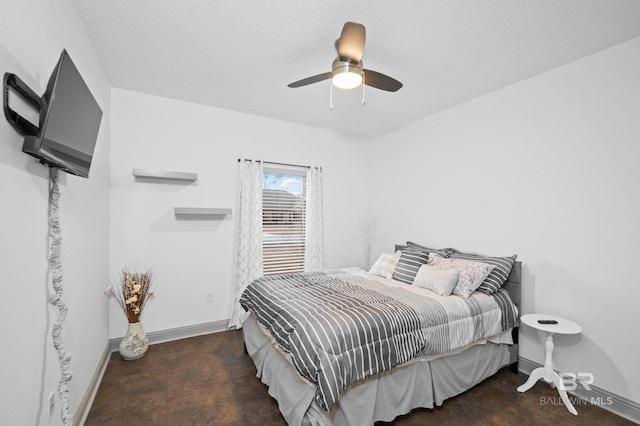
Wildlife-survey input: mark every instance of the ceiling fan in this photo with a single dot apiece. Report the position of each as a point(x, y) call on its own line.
point(347, 71)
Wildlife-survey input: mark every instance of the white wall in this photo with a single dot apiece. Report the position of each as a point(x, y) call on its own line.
point(548, 169)
point(193, 257)
point(32, 35)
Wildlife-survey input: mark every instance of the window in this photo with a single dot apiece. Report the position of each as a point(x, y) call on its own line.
point(283, 222)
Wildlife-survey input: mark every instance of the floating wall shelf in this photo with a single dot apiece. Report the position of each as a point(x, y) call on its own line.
point(200, 211)
point(164, 174)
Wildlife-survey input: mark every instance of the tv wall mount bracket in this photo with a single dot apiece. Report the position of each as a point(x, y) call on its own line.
point(19, 123)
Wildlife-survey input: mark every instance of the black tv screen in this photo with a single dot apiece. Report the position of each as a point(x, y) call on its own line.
point(69, 122)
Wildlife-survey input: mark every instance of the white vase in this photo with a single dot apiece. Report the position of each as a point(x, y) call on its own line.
point(135, 343)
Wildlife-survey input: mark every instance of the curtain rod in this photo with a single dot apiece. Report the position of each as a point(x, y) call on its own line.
point(278, 164)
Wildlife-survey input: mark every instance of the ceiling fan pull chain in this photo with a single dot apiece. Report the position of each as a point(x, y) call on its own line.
point(330, 95)
point(363, 84)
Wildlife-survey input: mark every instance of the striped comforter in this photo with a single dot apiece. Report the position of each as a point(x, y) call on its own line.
point(340, 328)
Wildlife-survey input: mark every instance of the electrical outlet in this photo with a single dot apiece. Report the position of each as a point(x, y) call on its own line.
point(52, 403)
point(209, 297)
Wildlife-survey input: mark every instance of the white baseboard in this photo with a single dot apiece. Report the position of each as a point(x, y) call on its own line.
point(179, 333)
point(617, 404)
point(87, 400)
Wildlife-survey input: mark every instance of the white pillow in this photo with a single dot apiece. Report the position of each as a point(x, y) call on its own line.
point(385, 265)
point(472, 273)
point(440, 281)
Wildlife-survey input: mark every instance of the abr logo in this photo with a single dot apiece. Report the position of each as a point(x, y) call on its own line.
point(571, 380)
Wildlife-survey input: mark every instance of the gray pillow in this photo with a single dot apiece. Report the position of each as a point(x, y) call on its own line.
point(445, 252)
point(408, 265)
point(498, 276)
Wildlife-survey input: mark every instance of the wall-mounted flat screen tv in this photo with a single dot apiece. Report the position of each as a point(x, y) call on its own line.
point(69, 122)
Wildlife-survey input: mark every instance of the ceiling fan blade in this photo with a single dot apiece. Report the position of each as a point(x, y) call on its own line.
point(310, 80)
point(381, 81)
point(350, 45)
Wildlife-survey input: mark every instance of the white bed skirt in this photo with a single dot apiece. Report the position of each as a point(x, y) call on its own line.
point(424, 382)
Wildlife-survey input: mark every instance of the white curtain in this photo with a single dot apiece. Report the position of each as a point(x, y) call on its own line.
point(313, 251)
point(249, 251)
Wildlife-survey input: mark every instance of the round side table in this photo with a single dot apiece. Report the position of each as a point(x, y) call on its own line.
point(547, 373)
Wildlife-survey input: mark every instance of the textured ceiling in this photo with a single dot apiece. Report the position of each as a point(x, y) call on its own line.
point(240, 55)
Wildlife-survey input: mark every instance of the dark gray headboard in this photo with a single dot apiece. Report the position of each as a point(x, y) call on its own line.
point(513, 285)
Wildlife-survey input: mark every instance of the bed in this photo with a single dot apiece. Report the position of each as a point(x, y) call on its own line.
point(300, 331)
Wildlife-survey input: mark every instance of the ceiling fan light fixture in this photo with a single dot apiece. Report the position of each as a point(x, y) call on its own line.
point(347, 71)
point(346, 75)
